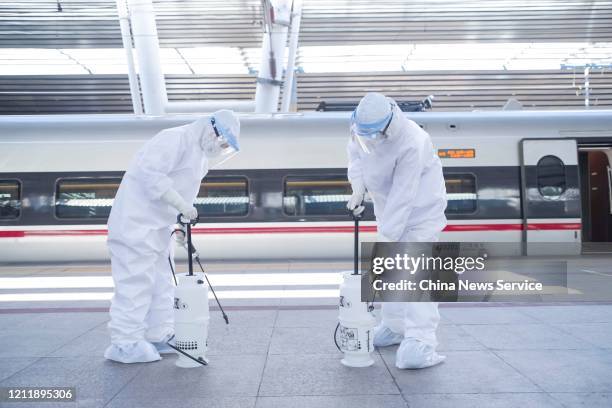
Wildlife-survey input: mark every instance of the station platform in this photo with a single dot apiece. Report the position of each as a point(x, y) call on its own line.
point(278, 349)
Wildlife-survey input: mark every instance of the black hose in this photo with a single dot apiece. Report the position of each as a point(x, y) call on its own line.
point(197, 360)
point(336, 336)
point(213, 291)
point(170, 262)
point(172, 269)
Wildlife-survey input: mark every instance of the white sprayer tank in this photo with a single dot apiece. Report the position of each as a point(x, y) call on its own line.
point(191, 316)
point(354, 334)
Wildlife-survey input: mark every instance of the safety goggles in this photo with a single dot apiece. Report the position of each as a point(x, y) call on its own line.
point(374, 130)
point(369, 139)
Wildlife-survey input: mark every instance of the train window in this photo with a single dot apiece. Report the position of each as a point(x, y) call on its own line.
point(10, 199)
point(551, 176)
point(316, 195)
point(223, 196)
point(85, 197)
point(461, 193)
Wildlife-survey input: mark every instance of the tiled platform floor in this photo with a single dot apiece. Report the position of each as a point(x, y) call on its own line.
point(280, 353)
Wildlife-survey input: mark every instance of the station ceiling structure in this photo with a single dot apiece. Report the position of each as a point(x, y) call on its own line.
point(65, 56)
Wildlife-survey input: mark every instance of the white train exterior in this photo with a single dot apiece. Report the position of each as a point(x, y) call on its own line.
point(511, 176)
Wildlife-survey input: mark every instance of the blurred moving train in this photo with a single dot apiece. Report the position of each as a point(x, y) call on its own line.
point(517, 176)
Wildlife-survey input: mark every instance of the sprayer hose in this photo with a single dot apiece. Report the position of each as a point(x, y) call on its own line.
point(336, 336)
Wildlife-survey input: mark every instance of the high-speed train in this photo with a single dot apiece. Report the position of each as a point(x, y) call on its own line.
point(511, 176)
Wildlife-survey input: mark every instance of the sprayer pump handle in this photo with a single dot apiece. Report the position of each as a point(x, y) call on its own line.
point(357, 216)
point(184, 221)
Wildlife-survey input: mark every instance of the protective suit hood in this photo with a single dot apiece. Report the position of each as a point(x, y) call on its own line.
point(398, 122)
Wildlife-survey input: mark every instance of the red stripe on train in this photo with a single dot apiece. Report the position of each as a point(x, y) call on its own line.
point(552, 226)
point(12, 234)
point(50, 233)
point(304, 230)
point(276, 230)
point(483, 227)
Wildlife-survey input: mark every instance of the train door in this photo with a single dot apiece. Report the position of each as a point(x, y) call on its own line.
point(550, 196)
point(596, 183)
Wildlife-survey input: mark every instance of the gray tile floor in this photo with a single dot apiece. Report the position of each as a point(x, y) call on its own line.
point(286, 358)
point(282, 355)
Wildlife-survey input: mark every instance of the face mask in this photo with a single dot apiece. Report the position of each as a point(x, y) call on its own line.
point(368, 145)
point(210, 146)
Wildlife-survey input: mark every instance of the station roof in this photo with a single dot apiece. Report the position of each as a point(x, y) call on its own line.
point(188, 23)
point(66, 54)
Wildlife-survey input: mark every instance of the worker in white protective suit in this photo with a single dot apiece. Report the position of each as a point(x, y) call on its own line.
point(161, 182)
point(393, 159)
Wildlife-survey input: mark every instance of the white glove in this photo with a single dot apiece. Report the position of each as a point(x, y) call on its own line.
point(355, 203)
point(189, 213)
point(174, 199)
point(381, 238)
point(180, 236)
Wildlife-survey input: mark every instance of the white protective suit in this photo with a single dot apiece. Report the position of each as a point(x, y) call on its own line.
point(139, 236)
point(403, 176)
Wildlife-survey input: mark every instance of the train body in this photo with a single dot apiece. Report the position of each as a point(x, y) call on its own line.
point(511, 176)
